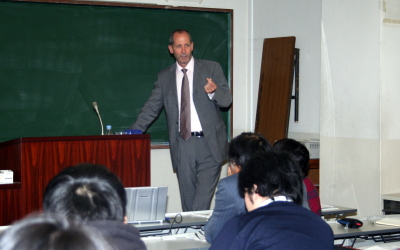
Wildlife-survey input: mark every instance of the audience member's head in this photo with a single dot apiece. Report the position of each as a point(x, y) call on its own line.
point(243, 147)
point(296, 150)
point(86, 192)
point(267, 175)
point(51, 232)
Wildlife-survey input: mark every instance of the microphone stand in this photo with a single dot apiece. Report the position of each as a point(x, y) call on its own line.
point(96, 108)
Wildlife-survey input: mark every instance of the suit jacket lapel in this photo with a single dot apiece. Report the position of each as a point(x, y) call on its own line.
point(172, 90)
point(197, 81)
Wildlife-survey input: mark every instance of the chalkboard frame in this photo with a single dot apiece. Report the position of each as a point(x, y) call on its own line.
point(227, 12)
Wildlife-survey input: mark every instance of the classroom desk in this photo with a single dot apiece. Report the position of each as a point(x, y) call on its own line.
point(369, 230)
point(186, 241)
point(392, 245)
point(182, 220)
point(200, 218)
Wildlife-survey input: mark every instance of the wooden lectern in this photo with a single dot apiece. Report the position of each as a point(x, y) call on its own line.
point(36, 160)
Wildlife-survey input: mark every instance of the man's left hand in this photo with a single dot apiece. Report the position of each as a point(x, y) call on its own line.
point(210, 87)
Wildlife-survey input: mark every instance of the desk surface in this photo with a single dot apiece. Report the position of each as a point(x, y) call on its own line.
point(183, 219)
point(177, 241)
point(200, 218)
point(381, 245)
point(189, 241)
point(369, 228)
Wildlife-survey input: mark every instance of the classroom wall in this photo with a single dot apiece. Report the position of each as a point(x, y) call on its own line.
point(348, 90)
point(290, 18)
point(358, 121)
point(350, 105)
point(390, 132)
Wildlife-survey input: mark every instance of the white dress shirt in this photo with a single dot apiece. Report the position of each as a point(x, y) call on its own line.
point(194, 120)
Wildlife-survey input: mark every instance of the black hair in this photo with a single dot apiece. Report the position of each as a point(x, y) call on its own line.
point(49, 231)
point(297, 151)
point(274, 174)
point(180, 31)
point(86, 192)
point(243, 146)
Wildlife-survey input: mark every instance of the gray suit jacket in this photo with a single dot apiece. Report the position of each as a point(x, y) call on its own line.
point(228, 204)
point(165, 95)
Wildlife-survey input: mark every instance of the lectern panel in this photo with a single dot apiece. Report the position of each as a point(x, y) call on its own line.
point(36, 160)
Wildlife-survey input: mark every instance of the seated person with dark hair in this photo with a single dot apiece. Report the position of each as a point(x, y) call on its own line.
point(228, 202)
point(96, 196)
point(301, 156)
point(271, 185)
point(48, 231)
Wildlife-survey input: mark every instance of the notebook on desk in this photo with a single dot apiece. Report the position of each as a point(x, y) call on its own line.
point(146, 204)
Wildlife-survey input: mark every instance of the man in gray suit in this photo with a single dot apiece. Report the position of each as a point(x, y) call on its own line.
point(198, 159)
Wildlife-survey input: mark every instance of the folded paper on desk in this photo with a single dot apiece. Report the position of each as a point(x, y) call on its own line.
point(389, 221)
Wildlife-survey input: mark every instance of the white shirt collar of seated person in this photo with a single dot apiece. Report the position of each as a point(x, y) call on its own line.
point(254, 200)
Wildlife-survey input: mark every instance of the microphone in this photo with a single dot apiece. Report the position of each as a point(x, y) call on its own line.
point(96, 107)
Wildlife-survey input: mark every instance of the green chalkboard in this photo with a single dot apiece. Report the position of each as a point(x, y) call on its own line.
point(56, 59)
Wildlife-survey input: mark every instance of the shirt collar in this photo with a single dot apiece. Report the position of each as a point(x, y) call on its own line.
point(276, 198)
point(189, 66)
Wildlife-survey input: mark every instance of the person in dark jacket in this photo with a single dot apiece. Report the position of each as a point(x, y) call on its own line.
point(228, 202)
point(94, 195)
point(271, 184)
point(301, 156)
